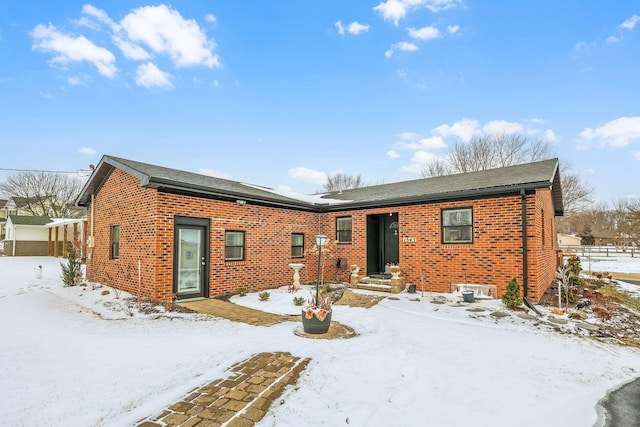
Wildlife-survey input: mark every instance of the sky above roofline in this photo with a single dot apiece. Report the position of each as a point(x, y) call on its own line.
point(282, 94)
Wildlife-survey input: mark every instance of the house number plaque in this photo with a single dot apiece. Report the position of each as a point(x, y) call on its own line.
point(409, 239)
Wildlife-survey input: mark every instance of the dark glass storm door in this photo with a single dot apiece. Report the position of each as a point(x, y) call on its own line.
point(191, 257)
point(382, 242)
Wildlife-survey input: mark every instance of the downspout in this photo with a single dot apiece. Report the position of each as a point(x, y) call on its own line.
point(525, 259)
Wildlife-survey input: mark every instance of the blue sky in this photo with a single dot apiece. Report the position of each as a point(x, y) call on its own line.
point(283, 93)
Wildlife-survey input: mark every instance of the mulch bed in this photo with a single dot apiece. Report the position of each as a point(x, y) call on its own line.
point(613, 319)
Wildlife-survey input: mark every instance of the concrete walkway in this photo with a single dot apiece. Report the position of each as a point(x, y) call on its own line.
point(240, 400)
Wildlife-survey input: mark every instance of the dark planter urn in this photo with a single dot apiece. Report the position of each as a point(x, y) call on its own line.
point(315, 325)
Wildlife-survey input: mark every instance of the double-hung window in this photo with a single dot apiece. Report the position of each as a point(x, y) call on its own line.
point(297, 245)
point(343, 229)
point(457, 225)
point(234, 246)
point(115, 242)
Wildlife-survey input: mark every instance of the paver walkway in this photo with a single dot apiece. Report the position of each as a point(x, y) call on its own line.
point(237, 313)
point(240, 400)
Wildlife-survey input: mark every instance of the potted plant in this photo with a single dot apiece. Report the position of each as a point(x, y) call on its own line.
point(316, 318)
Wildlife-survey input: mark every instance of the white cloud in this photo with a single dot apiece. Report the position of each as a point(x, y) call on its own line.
point(392, 154)
point(430, 143)
point(550, 135)
point(356, 28)
point(392, 10)
point(211, 18)
point(500, 127)
point(148, 75)
point(74, 81)
point(308, 175)
point(617, 133)
point(464, 129)
point(424, 33)
point(636, 154)
point(87, 151)
point(73, 49)
point(130, 50)
point(630, 23)
point(613, 39)
point(214, 173)
point(580, 47)
point(536, 120)
point(404, 46)
point(409, 136)
point(419, 160)
point(100, 15)
point(452, 29)
point(165, 31)
point(395, 10)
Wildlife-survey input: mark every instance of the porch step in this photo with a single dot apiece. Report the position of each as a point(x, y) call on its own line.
point(393, 286)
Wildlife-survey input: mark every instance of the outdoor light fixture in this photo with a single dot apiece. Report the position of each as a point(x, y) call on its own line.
point(321, 239)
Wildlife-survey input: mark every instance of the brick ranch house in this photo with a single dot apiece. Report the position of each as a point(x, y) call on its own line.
point(167, 232)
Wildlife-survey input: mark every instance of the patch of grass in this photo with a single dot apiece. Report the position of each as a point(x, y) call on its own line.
point(623, 297)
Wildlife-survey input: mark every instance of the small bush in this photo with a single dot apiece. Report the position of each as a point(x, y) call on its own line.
point(242, 292)
point(298, 301)
point(512, 297)
point(264, 296)
point(72, 269)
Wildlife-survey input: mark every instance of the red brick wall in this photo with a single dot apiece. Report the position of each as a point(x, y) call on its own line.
point(542, 255)
point(121, 201)
point(146, 220)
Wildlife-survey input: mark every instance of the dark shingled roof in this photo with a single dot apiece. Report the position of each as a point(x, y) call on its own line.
point(528, 176)
point(29, 220)
point(183, 182)
point(507, 180)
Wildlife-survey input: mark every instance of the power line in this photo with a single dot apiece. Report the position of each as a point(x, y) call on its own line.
point(42, 170)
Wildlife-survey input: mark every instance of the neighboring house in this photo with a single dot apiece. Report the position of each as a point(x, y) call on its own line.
point(41, 236)
point(164, 232)
point(26, 235)
point(568, 240)
point(3, 219)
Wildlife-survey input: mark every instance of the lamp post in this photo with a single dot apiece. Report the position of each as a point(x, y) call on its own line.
point(321, 239)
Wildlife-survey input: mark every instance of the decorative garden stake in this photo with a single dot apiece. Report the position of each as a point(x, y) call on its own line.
point(321, 239)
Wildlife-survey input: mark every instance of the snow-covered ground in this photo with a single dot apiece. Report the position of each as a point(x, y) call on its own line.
point(75, 357)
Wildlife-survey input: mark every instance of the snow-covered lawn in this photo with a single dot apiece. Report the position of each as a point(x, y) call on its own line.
point(74, 357)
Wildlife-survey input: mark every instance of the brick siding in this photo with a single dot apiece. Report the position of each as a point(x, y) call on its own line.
point(146, 220)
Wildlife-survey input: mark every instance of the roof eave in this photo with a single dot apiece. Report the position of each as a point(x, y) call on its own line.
point(162, 184)
point(431, 198)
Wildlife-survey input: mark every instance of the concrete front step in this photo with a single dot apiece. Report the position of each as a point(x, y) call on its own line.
point(393, 286)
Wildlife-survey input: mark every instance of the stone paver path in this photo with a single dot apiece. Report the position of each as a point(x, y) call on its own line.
point(237, 313)
point(240, 400)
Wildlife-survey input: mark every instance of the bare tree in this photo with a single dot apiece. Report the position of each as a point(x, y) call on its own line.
point(633, 219)
point(43, 193)
point(341, 181)
point(484, 152)
point(576, 193)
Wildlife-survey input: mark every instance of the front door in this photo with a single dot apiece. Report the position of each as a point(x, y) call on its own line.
point(191, 258)
point(382, 242)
